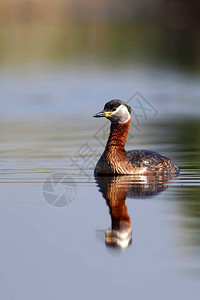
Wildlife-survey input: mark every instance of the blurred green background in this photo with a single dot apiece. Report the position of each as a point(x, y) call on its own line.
point(158, 31)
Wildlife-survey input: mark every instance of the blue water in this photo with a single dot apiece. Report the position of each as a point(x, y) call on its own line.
point(50, 252)
point(39, 91)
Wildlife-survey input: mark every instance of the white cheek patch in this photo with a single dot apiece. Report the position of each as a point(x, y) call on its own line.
point(121, 114)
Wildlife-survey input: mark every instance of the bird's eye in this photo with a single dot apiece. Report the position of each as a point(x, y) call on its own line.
point(113, 109)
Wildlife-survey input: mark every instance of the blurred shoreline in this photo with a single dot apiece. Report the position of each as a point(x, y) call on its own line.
point(100, 31)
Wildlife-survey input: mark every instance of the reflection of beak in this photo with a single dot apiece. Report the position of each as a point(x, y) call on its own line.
point(102, 114)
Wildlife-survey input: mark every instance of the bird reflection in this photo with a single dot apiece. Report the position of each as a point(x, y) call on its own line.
point(115, 189)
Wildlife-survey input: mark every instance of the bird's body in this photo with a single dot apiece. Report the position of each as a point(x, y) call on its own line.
point(115, 160)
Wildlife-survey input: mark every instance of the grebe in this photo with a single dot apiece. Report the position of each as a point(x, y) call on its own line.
point(115, 160)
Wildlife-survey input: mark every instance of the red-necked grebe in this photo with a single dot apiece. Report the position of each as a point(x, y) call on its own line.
point(115, 160)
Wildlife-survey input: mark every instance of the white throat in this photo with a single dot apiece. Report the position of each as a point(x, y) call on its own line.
point(121, 115)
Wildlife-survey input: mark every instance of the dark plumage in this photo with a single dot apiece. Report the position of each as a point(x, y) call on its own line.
point(152, 161)
point(114, 104)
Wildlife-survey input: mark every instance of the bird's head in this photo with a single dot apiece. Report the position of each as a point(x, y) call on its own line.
point(116, 111)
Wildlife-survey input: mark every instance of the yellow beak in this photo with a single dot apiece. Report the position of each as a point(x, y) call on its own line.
point(108, 113)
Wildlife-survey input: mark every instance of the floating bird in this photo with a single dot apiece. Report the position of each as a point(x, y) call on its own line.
point(115, 160)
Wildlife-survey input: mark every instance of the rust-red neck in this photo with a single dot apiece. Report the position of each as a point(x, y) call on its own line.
point(118, 134)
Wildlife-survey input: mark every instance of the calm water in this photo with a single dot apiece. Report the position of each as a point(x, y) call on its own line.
point(117, 237)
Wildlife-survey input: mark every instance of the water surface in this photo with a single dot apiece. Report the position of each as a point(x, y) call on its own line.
point(58, 249)
point(65, 252)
